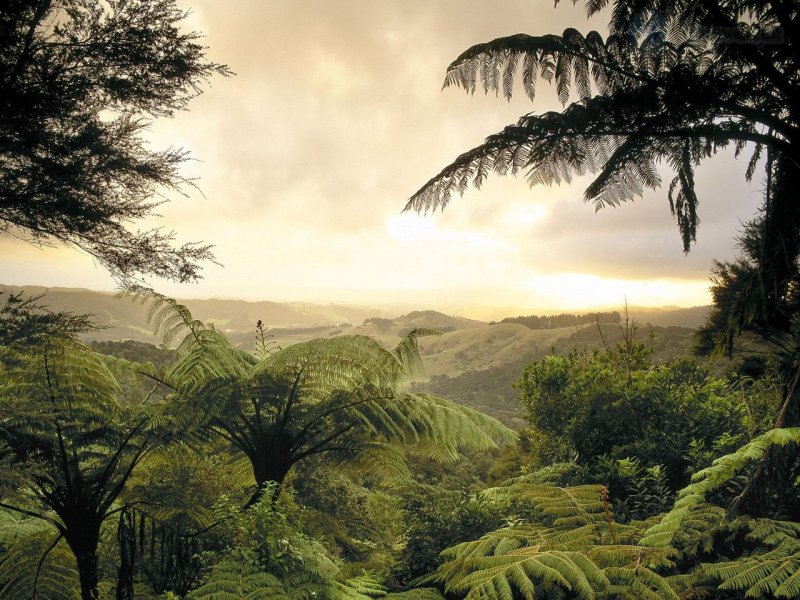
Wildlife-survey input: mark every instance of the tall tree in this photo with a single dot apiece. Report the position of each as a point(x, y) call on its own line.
point(79, 81)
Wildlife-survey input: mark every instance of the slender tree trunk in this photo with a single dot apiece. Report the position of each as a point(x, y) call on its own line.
point(126, 539)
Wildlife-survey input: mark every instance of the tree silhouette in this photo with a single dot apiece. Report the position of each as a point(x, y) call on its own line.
point(674, 82)
point(78, 82)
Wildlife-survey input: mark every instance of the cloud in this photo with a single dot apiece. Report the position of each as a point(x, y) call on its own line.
point(306, 157)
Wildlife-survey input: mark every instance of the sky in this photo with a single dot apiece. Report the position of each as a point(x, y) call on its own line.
point(336, 115)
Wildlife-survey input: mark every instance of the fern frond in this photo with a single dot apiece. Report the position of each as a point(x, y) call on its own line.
point(418, 594)
point(37, 558)
point(229, 579)
point(168, 318)
point(622, 123)
point(568, 61)
point(526, 570)
point(553, 475)
point(570, 547)
point(563, 506)
point(639, 581)
point(407, 351)
point(442, 429)
point(774, 573)
point(360, 588)
point(712, 478)
point(342, 362)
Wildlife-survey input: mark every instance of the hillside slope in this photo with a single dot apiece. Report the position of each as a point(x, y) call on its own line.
point(479, 367)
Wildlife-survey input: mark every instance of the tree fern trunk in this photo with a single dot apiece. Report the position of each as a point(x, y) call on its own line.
point(83, 536)
point(269, 467)
point(126, 539)
point(87, 571)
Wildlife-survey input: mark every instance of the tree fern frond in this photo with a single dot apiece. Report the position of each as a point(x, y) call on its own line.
point(407, 351)
point(625, 120)
point(377, 459)
point(169, 318)
point(774, 573)
point(39, 560)
point(444, 428)
point(563, 506)
point(417, 594)
point(563, 60)
point(342, 362)
point(639, 581)
point(553, 147)
point(360, 588)
point(712, 478)
point(769, 532)
point(553, 475)
point(525, 571)
point(229, 579)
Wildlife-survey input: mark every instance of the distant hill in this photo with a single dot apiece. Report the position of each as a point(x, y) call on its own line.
point(563, 320)
point(121, 318)
point(479, 367)
point(434, 319)
point(692, 317)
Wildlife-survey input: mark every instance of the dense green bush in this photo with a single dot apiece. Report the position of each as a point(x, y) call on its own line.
point(596, 406)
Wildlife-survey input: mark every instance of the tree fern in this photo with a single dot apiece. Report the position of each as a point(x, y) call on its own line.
point(334, 396)
point(664, 86)
point(568, 543)
point(69, 446)
point(711, 479)
point(35, 559)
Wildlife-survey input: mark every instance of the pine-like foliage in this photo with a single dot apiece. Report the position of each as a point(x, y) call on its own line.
point(673, 82)
point(336, 397)
point(80, 82)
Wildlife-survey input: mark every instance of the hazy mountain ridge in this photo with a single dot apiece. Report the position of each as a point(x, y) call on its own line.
point(122, 318)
